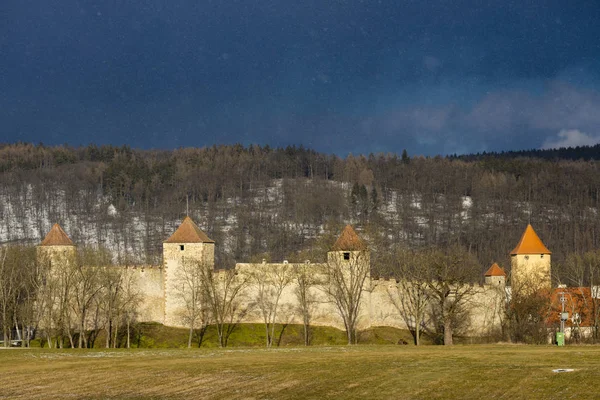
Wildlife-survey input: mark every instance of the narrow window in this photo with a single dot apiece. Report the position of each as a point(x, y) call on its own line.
point(346, 256)
point(181, 247)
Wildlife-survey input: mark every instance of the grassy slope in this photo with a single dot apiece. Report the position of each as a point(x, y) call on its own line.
point(431, 372)
point(151, 335)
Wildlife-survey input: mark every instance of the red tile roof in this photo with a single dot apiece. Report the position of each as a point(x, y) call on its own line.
point(495, 270)
point(188, 232)
point(57, 237)
point(349, 241)
point(530, 243)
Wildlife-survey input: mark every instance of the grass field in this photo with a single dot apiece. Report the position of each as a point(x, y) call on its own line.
point(345, 372)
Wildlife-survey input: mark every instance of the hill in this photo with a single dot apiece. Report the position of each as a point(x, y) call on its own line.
point(289, 203)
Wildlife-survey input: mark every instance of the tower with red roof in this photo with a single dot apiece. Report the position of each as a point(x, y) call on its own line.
point(530, 264)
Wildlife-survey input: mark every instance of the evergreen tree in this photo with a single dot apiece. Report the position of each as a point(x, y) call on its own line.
point(405, 158)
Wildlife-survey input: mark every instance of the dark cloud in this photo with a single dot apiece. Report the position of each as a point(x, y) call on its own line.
point(339, 76)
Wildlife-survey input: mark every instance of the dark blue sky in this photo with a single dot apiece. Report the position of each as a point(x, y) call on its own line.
point(337, 76)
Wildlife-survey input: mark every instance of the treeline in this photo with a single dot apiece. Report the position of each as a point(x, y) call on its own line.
point(258, 201)
point(585, 153)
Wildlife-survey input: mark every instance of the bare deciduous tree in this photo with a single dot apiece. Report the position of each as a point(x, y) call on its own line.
point(269, 282)
point(527, 314)
point(8, 287)
point(449, 275)
point(306, 282)
point(55, 296)
point(411, 296)
point(189, 278)
point(87, 286)
point(345, 278)
point(130, 302)
point(222, 291)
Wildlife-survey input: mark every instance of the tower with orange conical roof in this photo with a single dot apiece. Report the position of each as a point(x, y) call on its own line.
point(188, 245)
point(56, 249)
point(495, 275)
point(530, 264)
point(347, 247)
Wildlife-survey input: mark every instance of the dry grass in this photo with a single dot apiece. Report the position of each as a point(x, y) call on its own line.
point(357, 372)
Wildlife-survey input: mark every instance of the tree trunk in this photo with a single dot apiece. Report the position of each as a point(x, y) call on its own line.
point(128, 332)
point(268, 336)
point(5, 336)
point(115, 341)
point(19, 337)
point(108, 334)
point(70, 336)
point(448, 333)
point(220, 328)
point(349, 332)
point(191, 334)
point(81, 333)
point(5, 326)
point(306, 331)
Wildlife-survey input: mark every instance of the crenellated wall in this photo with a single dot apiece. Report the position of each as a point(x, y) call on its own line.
point(486, 305)
point(160, 287)
point(160, 299)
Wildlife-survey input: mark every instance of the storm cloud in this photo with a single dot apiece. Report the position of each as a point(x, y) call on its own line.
point(340, 76)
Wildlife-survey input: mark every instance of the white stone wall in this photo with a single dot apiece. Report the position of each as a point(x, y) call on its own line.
point(160, 303)
point(487, 304)
point(148, 282)
point(324, 313)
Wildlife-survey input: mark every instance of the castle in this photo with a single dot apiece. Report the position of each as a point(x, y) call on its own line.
point(162, 302)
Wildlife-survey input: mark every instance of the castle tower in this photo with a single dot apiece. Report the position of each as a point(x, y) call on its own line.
point(348, 248)
point(495, 276)
point(187, 245)
point(56, 249)
point(349, 269)
point(530, 264)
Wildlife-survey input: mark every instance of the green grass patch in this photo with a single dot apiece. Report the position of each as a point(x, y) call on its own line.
point(150, 335)
point(158, 336)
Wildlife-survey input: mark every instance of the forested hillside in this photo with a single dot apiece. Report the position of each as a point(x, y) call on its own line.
point(258, 202)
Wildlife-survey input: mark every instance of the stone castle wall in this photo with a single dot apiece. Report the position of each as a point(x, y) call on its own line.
point(486, 306)
point(160, 288)
point(148, 282)
point(324, 313)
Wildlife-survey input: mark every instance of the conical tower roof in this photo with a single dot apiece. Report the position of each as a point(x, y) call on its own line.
point(188, 232)
point(57, 237)
point(530, 243)
point(495, 270)
point(349, 241)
